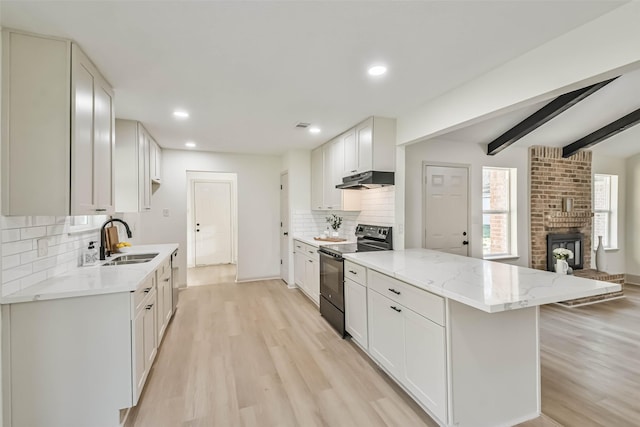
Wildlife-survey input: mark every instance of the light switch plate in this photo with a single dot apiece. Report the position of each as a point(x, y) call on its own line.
point(165, 212)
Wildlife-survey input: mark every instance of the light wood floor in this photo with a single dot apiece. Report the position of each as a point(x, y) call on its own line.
point(259, 354)
point(211, 275)
point(590, 359)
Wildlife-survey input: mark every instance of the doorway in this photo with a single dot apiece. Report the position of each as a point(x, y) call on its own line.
point(211, 227)
point(446, 208)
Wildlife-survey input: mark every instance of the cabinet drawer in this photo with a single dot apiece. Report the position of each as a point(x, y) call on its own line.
point(309, 251)
point(143, 291)
point(355, 272)
point(422, 302)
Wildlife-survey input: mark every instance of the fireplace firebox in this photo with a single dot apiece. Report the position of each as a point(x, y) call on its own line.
point(573, 242)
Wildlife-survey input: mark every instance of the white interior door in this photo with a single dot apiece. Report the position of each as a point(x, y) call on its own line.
point(446, 209)
point(284, 227)
point(212, 214)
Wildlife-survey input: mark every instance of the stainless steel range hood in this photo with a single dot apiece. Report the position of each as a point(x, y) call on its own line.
point(366, 180)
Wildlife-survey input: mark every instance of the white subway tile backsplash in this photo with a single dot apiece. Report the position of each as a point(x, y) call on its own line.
point(16, 272)
point(10, 261)
point(378, 208)
point(53, 230)
point(17, 247)
point(32, 232)
point(22, 267)
point(10, 235)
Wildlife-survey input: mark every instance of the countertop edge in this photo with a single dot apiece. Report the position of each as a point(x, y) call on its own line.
point(45, 290)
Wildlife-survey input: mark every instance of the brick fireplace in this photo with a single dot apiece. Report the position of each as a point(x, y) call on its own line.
point(552, 179)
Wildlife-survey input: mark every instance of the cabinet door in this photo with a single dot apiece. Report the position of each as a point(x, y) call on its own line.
point(299, 265)
point(160, 309)
point(156, 161)
point(150, 337)
point(350, 153)
point(364, 137)
point(386, 337)
point(83, 194)
point(425, 370)
point(355, 311)
point(334, 166)
point(144, 178)
point(317, 177)
point(138, 354)
point(168, 299)
point(312, 279)
point(104, 147)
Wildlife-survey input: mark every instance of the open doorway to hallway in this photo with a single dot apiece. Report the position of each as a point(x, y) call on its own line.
point(211, 227)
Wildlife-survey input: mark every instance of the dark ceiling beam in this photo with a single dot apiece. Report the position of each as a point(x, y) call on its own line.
point(603, 133)
point(542, 116)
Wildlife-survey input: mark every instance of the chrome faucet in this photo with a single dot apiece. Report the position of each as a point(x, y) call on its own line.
point(103, 236)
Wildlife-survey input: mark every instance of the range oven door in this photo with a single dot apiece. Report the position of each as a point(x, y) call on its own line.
point(332, 279)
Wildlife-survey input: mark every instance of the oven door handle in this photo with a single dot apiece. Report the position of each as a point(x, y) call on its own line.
point(330, 256)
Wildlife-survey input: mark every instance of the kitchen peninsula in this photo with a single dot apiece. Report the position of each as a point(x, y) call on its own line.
point(460, 335)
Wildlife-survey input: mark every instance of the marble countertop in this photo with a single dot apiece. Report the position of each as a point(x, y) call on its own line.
point(317, 243)
point(486, 285)
point(97, 279)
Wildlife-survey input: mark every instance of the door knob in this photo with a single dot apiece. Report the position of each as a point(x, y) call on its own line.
point(198, 230)
point(198, 224)
point(465, 242)
point(464, 233)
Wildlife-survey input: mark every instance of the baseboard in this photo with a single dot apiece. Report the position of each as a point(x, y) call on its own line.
point(257, 279)
point(632, 279)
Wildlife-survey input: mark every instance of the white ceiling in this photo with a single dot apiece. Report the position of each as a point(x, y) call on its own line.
point(248, 71)
point(610, 103)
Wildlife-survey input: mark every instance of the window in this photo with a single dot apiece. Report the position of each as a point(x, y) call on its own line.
point(605, 210)
point(83, 223)
point(499, 212)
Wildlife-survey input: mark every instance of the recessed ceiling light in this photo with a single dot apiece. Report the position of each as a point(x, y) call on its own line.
point(314, 130)
point(377, 70)
point(181, 114)
point(190, 144)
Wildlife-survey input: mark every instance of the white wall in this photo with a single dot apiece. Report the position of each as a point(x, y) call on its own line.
point(632, 231)
point(600, 49)
point(615, 259)
point(474, 155)
point(258, 208)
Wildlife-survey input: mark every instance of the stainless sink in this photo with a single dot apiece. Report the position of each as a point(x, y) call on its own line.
point(146, 257)
point(130, 259)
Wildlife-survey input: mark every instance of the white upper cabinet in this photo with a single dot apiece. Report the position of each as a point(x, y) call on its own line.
point(317, 179)
point(370, 145)
point(58, 129)
point(327, 164)
point(133, 157)
point(155, 160)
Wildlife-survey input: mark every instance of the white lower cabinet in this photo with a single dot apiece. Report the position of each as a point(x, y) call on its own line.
point(306, 264)
point(355, 312)
point(386, 337)
point(424, 358)
point(80, 360)
point(411, 348)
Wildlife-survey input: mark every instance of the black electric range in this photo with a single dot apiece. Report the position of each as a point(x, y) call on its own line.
point(369, 238)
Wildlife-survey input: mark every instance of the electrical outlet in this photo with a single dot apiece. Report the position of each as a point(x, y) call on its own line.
point(165, 212)
point(43, 247)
